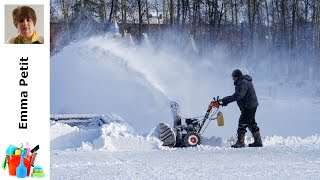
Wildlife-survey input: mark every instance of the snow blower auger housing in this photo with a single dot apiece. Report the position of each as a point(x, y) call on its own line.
point(189, 134)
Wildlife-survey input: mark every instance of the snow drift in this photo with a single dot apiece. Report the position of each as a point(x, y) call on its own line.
point(116, 135)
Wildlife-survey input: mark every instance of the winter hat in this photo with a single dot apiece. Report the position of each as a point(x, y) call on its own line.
point(236, 73)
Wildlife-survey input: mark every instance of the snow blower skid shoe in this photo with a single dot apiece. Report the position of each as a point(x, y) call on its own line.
point(188, 134)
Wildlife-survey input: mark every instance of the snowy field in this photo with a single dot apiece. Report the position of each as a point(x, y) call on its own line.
point(112, 151)
point(131, 91)
point(273, 162)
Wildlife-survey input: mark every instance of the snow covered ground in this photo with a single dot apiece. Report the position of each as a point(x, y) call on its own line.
point(276, 162)
point(130, 89)
point(112, 151)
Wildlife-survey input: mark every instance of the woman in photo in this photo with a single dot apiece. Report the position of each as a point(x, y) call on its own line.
point(25, 19)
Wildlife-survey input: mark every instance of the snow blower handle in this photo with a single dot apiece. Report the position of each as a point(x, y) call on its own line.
point(215, 103)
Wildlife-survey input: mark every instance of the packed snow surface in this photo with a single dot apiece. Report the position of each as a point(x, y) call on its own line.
point(115, 151)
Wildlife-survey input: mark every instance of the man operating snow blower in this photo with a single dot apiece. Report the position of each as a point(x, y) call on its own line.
point(246, 98)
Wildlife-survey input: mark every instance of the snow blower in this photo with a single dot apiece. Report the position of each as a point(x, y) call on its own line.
point(189, 134)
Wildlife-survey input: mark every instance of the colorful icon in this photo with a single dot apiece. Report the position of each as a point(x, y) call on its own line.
point(20, 160)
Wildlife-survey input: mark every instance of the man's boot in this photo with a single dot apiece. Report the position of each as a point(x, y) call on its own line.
point(257, 140)
point(240, 141)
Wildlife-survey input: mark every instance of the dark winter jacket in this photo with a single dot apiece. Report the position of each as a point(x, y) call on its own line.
point(245, 94)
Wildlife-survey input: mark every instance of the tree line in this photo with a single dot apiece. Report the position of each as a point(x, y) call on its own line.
point(243, 26)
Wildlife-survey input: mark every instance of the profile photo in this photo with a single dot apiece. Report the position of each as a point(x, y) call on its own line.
point(24, 24)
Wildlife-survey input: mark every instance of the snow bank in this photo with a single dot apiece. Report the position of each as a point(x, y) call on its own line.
point(116, 135)
point(267, 141)
point(113, 135)
point(292, 140)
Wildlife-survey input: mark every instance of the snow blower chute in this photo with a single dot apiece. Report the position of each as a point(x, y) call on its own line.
point(189, 134)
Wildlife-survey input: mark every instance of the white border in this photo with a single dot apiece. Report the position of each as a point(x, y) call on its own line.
point(38, 131)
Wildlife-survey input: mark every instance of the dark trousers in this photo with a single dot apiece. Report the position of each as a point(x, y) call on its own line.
point(247, 119)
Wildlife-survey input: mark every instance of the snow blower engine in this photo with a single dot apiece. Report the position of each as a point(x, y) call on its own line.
point(189, 134)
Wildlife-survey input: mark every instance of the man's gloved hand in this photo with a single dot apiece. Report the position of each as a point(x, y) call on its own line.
point(224, 101)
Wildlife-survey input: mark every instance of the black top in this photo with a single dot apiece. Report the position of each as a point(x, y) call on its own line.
point(245, 95)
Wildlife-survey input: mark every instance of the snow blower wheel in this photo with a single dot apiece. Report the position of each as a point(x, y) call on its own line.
point(192, 139)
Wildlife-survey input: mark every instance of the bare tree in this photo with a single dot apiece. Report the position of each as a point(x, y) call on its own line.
point(147, 13)
point(171, 7)
point(65, 17)
point(140, 19)
point(124, 12)
point(111, 11)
